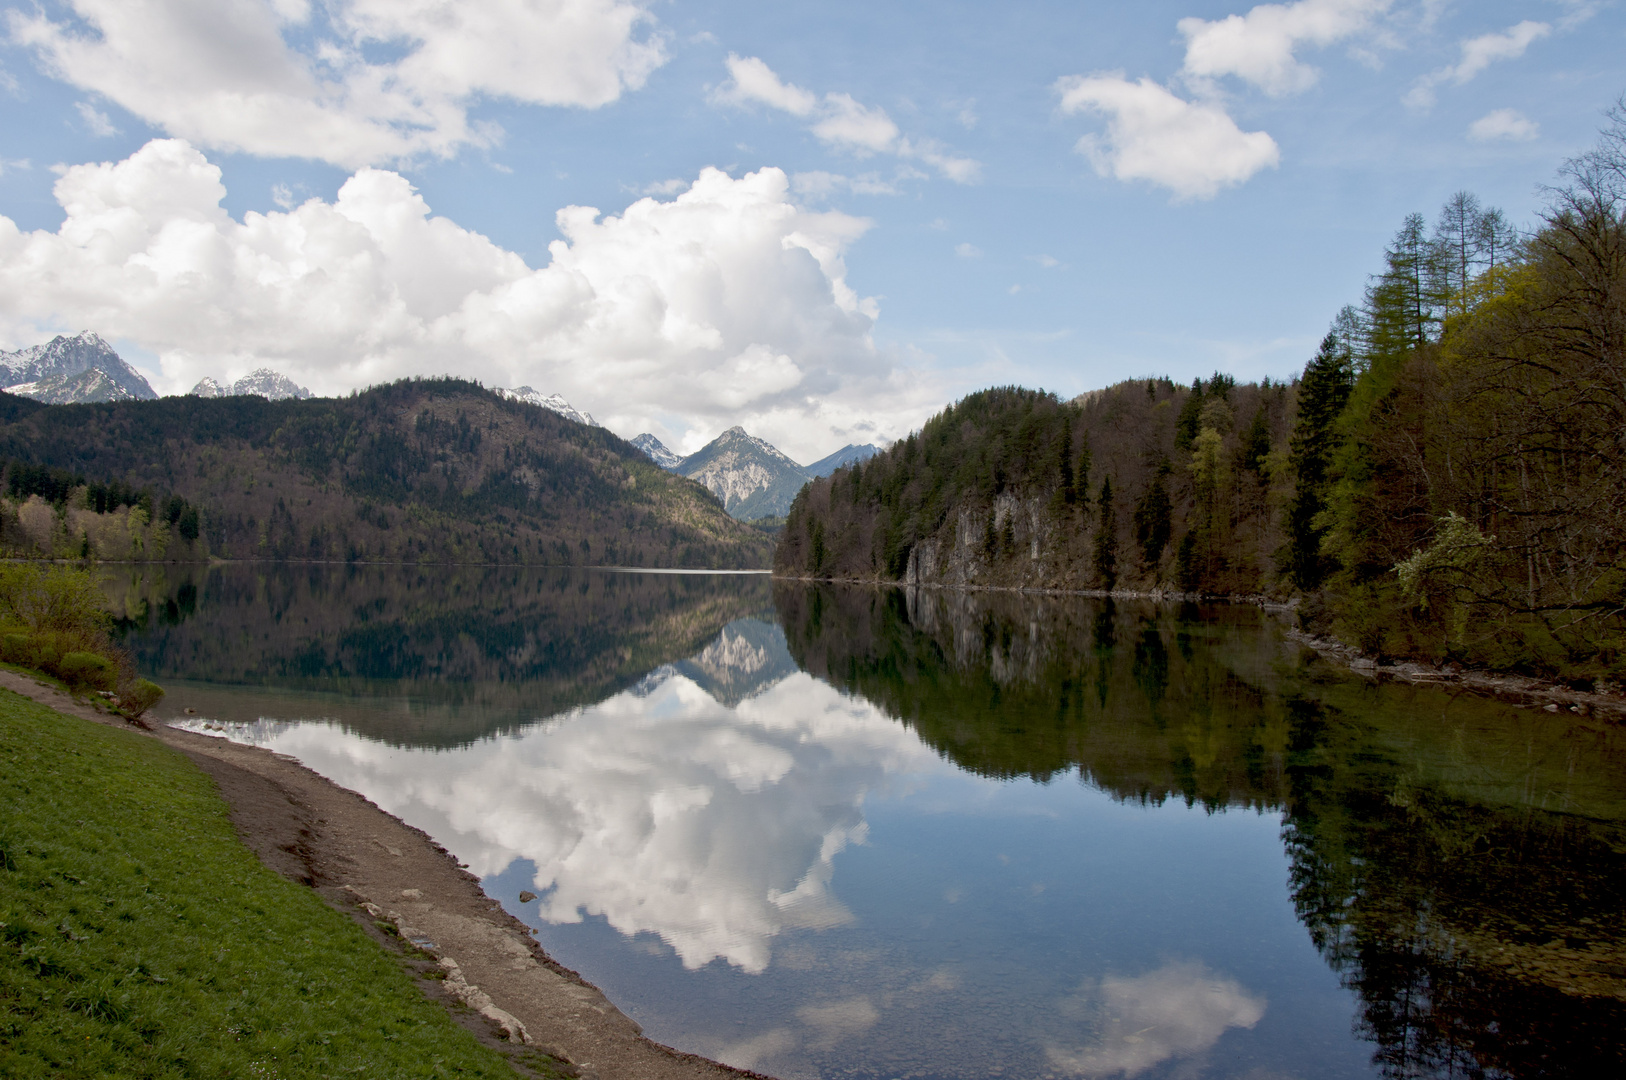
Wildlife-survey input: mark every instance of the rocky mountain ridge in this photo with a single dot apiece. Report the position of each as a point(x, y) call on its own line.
point(67, 370)
point(845, 456)
point(261, 382)
point(551, 402)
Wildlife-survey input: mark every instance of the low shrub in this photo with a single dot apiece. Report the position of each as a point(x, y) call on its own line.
point(17, 648)
point(140, 696)
point(86, 669)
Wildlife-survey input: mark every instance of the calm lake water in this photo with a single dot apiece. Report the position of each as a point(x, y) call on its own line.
point(827, 832)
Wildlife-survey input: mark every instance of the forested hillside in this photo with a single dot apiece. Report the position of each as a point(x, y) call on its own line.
point(434, 470)
point(1445, 480)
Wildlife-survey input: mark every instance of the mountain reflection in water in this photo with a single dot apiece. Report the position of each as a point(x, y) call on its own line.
point(824, 831)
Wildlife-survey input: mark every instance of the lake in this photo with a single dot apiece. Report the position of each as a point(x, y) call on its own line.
point(841, 832)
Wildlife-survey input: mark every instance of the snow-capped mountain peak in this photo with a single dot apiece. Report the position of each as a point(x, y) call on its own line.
point(72, 369)
point(551, 402)
point(656, 450)
point(262, 382)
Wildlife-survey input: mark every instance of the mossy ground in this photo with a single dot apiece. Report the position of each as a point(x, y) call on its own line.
point(140, 938)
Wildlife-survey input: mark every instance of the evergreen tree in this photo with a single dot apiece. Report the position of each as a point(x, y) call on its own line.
point(1323, 393)
point(1185, 428)
point(1064, 465)
point(1106, 539)
point(1256, 441)
point(1154, 518)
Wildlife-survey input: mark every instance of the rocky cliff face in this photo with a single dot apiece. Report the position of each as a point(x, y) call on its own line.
point(961, 554)
point(78, 369)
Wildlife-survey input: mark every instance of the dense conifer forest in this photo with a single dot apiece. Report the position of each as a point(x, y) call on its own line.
point(1445, 480)
point(423, 470)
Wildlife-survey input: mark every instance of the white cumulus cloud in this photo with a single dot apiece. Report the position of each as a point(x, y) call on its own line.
point(355, 82)
point(1193, 148)
point(1260, 47)
point(1478, 54)
point(1509, 124)
point(727, 304)
point(839, 119)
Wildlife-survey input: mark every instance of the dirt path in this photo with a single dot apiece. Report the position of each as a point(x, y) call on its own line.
point(375, 867)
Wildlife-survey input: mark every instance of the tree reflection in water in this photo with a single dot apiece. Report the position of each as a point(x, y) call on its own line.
point(1461, 863)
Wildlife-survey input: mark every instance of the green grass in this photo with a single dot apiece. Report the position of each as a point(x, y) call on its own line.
point(140, 938)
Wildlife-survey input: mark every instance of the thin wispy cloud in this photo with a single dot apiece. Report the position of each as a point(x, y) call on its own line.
point(1507, 125)
point(1477, 54)
point(818, 184)
point(96, 122)
point(837, 119)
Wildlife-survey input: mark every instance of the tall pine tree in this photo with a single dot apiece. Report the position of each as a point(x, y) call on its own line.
point(1323, 393)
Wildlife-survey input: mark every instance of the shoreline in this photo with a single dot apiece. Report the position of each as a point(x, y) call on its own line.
point(408, 891)
point(1521, 690)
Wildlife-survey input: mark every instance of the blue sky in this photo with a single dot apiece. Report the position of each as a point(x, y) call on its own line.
point(906, 203)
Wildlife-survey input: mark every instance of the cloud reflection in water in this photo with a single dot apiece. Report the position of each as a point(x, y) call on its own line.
point(1180, 1009)
point(659, 809)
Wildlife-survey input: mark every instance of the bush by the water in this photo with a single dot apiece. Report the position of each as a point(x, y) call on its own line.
point(140, 938)
point(55, 619)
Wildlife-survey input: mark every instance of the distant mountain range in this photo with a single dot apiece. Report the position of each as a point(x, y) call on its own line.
point(753, 478)
point(422, 470)
point(262, 382)
point(72, 369)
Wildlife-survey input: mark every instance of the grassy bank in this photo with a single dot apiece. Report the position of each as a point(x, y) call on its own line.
point(140, 938)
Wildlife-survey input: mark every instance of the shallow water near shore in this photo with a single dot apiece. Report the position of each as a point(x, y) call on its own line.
point(831, 832)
